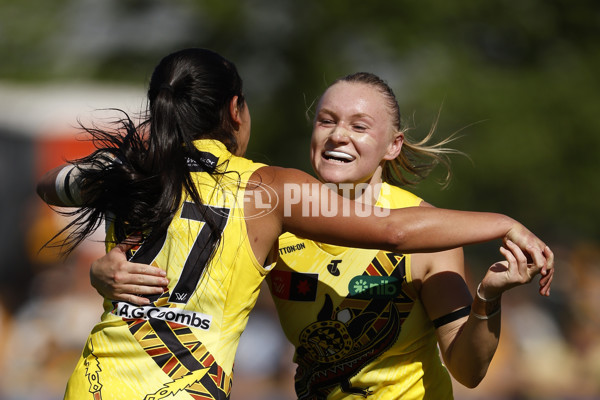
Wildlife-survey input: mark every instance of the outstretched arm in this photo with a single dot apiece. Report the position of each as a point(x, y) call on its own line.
point(409, 230)
point(51, 187)
point(469, 343)
point(61, 185)
point(416, 229)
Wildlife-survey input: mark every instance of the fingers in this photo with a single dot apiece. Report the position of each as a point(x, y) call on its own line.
point(151, 281)
point(529, 243)
point(545, 283)
point(516, 258)
point(510, 258)
point(537, 256)
point(129, 286)
point(139, 280)
point(116, 278)
point(135, 293)
point(138, 300)
point(141, 290)
point(146, 270)
point(140, 274)
point(549, 260)
point(547, 272)
point(123, 281)
point(523, 272)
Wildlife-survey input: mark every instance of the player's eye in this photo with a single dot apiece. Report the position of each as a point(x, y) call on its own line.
point(325, 121)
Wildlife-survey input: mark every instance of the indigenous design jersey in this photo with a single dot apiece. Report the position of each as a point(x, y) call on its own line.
point(183, 344)
point(355, 320)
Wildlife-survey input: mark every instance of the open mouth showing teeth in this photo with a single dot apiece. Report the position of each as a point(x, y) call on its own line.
point(337, 156)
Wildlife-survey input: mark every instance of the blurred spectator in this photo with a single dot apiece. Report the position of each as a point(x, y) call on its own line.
point(549, 348)
point(46, 334)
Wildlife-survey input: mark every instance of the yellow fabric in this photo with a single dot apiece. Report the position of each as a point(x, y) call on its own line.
point(183, 345)
point(357, 324)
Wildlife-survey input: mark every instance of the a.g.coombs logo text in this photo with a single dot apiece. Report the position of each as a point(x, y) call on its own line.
point(176, 315)
point(309, 199)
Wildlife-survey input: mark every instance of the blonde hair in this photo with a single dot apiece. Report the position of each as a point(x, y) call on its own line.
point(416, 159)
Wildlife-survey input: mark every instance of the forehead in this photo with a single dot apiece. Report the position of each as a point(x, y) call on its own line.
point(349, 98)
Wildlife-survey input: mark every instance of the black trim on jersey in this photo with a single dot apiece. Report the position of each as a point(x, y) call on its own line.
point(168, 337)
point(207, 163)
point(453, 316)
point(210, 385)
point(146, 254)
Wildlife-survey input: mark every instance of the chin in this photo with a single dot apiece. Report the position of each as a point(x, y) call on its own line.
point(333, 173)
point(333, 177)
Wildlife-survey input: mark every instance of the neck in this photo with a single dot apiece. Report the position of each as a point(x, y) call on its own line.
point(366, 192)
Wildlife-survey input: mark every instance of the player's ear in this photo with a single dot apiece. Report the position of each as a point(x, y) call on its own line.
point(395, 146)
point(234, 112)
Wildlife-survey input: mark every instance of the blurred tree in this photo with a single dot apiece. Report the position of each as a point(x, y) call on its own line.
point(519, 77)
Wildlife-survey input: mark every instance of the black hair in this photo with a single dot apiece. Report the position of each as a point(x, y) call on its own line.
point(142, 188)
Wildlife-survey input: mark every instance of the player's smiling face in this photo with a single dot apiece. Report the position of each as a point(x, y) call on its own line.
point(353, 134)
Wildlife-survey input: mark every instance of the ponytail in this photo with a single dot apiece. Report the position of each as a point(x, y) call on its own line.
point(140, 192)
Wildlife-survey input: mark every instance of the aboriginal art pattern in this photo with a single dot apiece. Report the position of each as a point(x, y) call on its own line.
point(363, 326)
point(177, 351)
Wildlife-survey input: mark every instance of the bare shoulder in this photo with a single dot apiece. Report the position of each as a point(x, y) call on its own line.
point(270, 219)
point(280, 181)
point(277, 176)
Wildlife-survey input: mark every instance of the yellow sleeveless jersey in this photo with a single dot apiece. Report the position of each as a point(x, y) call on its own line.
point(358, 326)
point(182, 346)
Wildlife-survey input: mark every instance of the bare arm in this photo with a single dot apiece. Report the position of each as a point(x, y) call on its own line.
point(47, 186)
point(468, 344)
point(61, 185)
point(414, 229)
point(406, 230)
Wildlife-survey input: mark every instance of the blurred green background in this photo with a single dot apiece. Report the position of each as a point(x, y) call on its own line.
point(518, 79)
point(521, 78)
